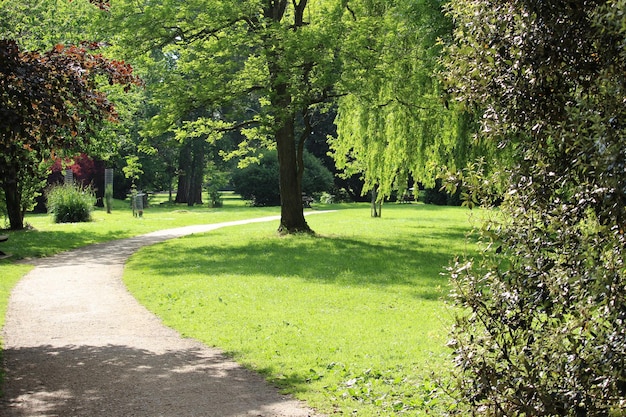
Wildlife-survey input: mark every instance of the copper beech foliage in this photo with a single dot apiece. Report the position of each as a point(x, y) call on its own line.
point(49, 102)
point(102, 5)
point(45, 96)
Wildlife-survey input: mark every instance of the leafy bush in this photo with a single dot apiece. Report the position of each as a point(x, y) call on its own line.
point(258, 183)
point(70, 203)
point(214, 181)
point(327, 198)
point(540, 330)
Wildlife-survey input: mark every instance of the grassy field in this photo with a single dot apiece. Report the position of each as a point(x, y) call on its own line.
point(45, 238)
point(354, 320)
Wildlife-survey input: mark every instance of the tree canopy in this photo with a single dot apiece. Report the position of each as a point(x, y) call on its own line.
point(50, 102)
point(393, 123)
point(260, 67)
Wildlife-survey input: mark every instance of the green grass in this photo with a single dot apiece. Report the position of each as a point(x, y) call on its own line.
point(10, 275)
point(353, 321)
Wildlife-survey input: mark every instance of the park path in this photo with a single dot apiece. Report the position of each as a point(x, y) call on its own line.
point(77, 344)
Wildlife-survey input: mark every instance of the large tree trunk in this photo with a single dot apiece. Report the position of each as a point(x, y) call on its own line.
point(13, 201)
point(191, 172)
point(197, 172)
point(290, 172)
point(290, 179)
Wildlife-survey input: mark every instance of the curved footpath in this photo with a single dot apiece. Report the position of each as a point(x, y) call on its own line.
point(78, 344)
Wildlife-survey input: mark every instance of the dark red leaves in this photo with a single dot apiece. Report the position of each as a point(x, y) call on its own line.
point(46, 99)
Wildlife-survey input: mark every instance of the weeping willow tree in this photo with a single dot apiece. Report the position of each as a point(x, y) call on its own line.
point(392, 124)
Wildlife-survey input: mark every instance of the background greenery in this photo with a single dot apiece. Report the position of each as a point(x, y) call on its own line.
point(258, 183)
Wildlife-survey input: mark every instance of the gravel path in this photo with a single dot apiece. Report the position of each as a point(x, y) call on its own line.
point(78, 344)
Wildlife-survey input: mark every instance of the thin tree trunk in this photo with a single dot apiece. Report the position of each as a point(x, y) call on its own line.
point(377, 206)
point(13, 201)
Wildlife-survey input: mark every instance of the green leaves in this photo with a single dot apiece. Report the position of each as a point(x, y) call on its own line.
point(50, 103)
point(70, 203)
point(392, 122)
point(543, 334)
point(41, 24)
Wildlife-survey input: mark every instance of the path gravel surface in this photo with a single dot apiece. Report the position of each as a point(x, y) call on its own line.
point(77, 344)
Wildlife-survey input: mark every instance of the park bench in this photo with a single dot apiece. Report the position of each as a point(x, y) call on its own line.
point(407, 198)
point(4, 238)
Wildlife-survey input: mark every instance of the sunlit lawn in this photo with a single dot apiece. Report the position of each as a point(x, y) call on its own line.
point(45, 238)
point(352, 321)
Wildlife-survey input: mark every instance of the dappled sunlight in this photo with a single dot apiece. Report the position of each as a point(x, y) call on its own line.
point(140, 382)
point(337, 260)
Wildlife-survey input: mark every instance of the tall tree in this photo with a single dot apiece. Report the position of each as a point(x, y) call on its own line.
point(392, 123)
point(272, 61)
point(544, 334)
point(49, 102)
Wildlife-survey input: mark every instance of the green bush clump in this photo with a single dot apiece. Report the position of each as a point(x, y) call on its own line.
point(258, 183)
point(70, 203)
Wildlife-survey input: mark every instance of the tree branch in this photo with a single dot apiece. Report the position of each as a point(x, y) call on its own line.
point(238, 126)
point(351, 11)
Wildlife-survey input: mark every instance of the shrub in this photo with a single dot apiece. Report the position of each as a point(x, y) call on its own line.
point(258, 183)
point(540, 330)
point(327, 198)
point(70, 203)
point(215, 180)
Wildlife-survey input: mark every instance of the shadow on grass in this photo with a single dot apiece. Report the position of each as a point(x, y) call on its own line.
point(120, 380)
point(37, 244)
point(411, 261)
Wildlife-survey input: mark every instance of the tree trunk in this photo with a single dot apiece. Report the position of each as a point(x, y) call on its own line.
point(291, 209)
point(184, 165)
point(196, 176)
point(377, 207)
point(290, 173)
point(13, 201)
